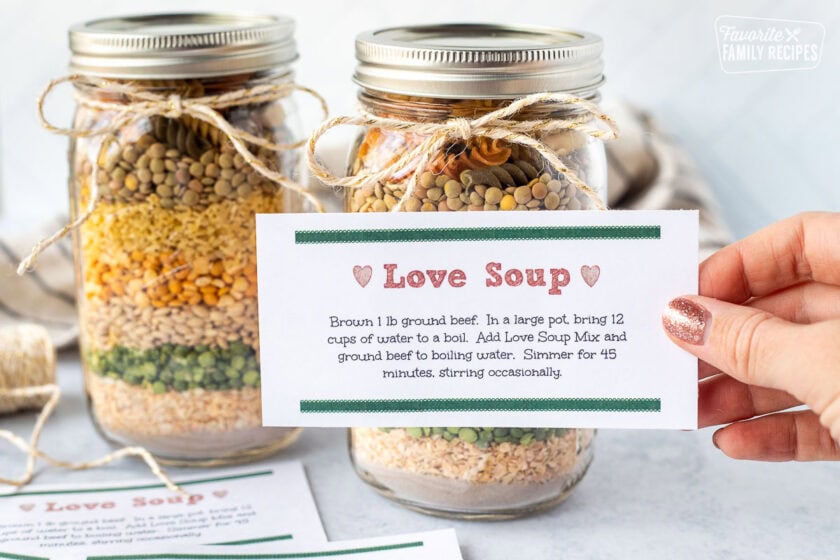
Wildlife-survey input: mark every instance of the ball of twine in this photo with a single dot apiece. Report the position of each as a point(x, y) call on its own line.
point(27, 381)
point(27, 368)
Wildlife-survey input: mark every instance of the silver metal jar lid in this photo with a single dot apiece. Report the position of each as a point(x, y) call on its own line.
point(478, 61)
point(187, 45)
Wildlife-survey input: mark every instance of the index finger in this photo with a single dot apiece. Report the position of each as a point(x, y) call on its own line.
point(803, 248)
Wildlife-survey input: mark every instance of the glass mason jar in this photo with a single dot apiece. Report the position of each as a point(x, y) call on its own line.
point(166, 262)
point(431, 74)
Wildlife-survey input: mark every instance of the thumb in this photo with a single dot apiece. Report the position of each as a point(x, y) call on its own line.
point(758, 348)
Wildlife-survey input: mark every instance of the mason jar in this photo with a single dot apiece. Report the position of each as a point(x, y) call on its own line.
point(166, 260)
point(432, 74)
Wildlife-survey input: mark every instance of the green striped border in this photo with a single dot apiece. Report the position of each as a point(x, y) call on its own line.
point(140, 487)
point(314, 237)
point(278, 556)
point(254, 541)
point(483, 405)
point(12, 556)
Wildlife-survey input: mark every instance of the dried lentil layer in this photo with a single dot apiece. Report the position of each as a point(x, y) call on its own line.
point(505, 463)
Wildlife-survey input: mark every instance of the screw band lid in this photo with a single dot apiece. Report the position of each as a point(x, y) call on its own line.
point(182, 45)
point(478, 61)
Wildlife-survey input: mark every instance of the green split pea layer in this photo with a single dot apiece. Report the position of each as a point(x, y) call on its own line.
point(483, 437)
point(172, 367)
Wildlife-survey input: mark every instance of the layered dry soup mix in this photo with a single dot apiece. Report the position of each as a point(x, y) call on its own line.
point(471, 470)
point(463, 469)
point(476, 175)
point(169, 279)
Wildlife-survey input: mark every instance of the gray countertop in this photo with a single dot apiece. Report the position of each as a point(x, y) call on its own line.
point(649, 494)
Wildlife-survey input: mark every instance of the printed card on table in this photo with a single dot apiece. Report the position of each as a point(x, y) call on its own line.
point(431, 545)
point(547, 319)
point(258, 503)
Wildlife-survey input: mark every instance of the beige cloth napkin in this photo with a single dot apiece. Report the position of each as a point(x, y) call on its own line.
point(647, 170)
point(46, 295)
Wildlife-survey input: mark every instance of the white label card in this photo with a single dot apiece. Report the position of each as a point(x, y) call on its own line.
point(543, 319)
point(230, 506)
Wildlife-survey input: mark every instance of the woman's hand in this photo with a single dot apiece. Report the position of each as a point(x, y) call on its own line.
point(767, 331)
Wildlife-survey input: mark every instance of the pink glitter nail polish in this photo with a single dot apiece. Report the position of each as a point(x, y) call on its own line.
point(686, 320)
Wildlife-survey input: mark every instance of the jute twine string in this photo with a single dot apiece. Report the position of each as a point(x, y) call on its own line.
point(497, 124)
point(141, 104)
point(27, 381)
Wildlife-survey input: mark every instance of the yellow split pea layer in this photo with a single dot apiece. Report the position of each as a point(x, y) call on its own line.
point(173, 257)
point(171, 280)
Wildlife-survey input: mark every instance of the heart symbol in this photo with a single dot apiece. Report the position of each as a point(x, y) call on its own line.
point(220, 493)
point(590, 274)
point(27, 507)
point(362, 274)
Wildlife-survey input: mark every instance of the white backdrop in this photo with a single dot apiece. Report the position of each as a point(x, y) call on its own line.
point(766, 142)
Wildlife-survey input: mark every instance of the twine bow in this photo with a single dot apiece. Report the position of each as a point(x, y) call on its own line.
point(141, 104)
point(498, 124)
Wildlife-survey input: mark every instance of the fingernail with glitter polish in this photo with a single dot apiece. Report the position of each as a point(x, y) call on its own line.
point(686, 320)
